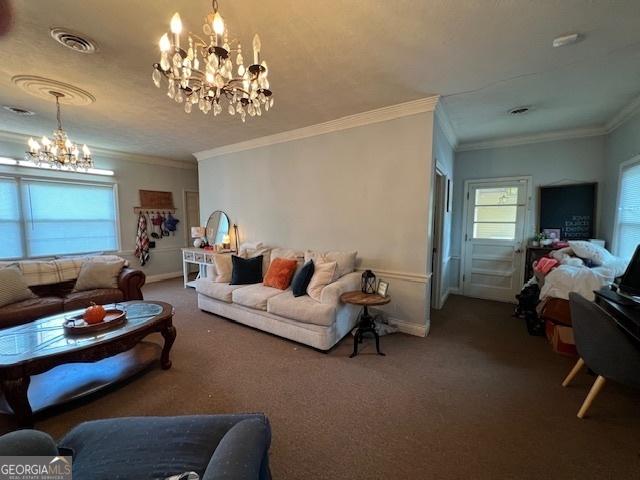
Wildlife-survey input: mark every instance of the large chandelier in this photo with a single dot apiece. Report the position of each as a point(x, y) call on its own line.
point(59, 152)
point(200, 72)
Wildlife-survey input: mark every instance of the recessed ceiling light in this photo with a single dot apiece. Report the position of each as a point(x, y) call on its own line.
point(18, 111)
point(565, 40)
point(519, 110)
point(73, 40)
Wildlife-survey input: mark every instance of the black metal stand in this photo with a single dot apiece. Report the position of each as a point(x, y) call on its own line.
point(366, 324)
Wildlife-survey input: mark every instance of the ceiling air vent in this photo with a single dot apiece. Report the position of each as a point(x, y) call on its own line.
point(18, 111)
point(519, 111)
point(73, 40)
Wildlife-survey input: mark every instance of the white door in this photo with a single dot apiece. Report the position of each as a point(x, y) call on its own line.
point(494, 234)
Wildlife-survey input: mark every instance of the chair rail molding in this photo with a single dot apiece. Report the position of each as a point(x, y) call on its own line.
point(427, 104)
point(407, 276)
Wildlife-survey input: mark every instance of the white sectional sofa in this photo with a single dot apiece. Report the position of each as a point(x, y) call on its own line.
point(318, 324)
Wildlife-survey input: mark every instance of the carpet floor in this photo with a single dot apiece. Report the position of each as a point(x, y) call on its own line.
point(478, 399)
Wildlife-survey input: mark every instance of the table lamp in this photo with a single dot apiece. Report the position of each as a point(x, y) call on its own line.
point(226, 242)
point(198, 233)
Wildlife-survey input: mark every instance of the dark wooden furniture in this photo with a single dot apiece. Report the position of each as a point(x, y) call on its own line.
point(366, 322)
point(533, 254)
point(41, 366)
point(626, 316)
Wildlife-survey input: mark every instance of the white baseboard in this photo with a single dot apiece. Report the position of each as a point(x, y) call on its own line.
point(454, 291)
point(162, 276)
point(408, 328)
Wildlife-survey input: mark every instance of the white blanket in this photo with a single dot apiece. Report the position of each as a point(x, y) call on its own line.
point(575, 277)
point(567, 278)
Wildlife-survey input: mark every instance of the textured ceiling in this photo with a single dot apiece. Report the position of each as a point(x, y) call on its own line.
point(331, 59)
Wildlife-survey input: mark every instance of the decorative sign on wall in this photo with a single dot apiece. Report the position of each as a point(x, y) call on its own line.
point(157, 200)
point(571, 208)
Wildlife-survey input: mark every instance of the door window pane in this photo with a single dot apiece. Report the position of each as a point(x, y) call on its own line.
point(496, 214)
point(497, 196)
point(495, 231)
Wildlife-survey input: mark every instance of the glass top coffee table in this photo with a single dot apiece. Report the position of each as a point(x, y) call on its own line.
point(41, 365)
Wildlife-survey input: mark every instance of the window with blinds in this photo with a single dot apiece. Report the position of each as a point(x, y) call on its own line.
point(10, 221)
point(628, 218)
point(42, 218)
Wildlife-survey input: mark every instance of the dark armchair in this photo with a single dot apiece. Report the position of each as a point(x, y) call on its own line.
point(603, 347)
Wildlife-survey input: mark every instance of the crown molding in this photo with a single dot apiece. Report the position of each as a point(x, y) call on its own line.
point(445, 124)
point(535, 138)
point(623, 115)
point(616, 121)
point(21, 139)
point(383, 114)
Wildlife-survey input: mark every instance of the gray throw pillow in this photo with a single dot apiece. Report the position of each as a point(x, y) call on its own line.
point(95, 275)
point(13, 287)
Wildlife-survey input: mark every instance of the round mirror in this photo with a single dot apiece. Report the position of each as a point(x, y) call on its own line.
point(217, 227)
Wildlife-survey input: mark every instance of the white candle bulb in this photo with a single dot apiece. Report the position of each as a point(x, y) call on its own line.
point(176, 24)
point(165, 44)
point(218, 24)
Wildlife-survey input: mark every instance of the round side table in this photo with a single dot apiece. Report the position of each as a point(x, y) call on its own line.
point(366, 323)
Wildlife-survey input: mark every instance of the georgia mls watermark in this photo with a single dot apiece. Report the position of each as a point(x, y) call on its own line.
point(35, 468)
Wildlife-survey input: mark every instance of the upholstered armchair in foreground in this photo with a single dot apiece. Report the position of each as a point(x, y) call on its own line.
point(216, 447)
point(603, 347)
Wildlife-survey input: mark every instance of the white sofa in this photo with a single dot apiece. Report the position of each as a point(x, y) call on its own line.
point(302, 319)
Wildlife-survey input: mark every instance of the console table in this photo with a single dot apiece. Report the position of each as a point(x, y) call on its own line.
point(200, 257)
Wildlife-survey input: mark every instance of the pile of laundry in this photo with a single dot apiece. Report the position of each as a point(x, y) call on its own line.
point(581, 267)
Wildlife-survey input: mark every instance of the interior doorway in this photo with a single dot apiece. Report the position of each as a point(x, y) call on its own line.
point(439, 207)
point(493, 236)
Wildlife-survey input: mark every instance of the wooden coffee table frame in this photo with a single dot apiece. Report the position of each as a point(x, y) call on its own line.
point(15, 378)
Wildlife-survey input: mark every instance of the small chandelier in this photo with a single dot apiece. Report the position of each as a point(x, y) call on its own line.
point(60, 152)
point(202, 73)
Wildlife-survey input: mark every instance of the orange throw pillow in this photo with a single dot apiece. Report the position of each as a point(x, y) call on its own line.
point(280, 273)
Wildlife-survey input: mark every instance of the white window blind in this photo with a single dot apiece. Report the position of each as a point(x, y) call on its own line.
point(65, 218)
point(628, 227)
point(10, 228)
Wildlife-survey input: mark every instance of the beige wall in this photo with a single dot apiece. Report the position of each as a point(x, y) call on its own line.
point(130, 176)
point(365, 188)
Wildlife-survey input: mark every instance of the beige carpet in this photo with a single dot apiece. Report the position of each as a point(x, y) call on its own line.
point(477, 399)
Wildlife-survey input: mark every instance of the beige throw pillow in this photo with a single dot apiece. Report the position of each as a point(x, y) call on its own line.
point(346, 260)
point(223, 268)
point(323, 274)
point(13, 287)
point(95, 275)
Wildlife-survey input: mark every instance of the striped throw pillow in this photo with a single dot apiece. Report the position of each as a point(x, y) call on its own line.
point(13, 287)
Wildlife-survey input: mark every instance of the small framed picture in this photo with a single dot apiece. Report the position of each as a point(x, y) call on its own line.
point(552, 233)
point(382, 288)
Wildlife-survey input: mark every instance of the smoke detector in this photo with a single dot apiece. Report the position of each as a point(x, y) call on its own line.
point(18, 111)
point(73, 40)
point(519, 111)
